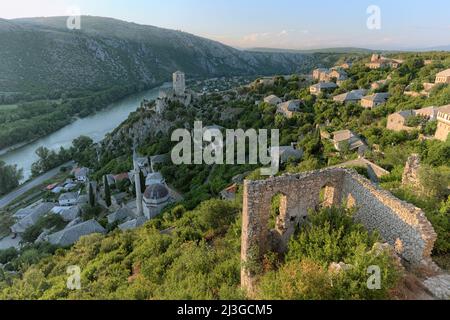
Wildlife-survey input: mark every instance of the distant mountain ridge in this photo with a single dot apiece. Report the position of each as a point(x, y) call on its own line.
point(319, 50)
point(42, 55)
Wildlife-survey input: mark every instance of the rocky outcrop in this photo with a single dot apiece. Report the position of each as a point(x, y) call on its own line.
point(140, 127)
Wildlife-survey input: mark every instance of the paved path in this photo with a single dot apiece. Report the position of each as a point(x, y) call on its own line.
point(5, 200)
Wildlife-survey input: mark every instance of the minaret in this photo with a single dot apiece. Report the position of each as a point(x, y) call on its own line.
point(137, 183)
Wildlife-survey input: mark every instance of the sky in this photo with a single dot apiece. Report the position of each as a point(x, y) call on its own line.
point(288, 24)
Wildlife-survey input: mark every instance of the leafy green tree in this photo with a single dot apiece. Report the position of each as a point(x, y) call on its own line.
point(9, 177)
point(435, 181)
point(84, 152)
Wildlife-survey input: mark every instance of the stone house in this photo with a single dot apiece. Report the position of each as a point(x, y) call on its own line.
point(337, 74)
point(81, 174)
point(374, 100)
point(121, 215)
point(327, 75)
point(443, 77)
point(29, 216)
point(322, 87)
point(68, 199)
point(71, 235)
point(67, 213)
point(353, 141)
point(379, 62)
point(397, 121)
point(318, 74)
point(273, 100)
point(443, 118)
point(288, 153)
point(133, 224)
point(289, 108)
point(353, 96)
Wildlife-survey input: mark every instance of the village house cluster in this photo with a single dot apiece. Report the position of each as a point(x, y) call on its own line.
point(153, 194)
point(73, 195)
point(68, 206)
point(379, 62)
point(330, 79)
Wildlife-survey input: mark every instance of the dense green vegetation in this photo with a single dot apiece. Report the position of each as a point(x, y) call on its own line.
point(82, 151)
point(200, 259)
point(192, 250)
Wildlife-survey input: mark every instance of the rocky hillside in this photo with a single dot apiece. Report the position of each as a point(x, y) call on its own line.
point(42, 56)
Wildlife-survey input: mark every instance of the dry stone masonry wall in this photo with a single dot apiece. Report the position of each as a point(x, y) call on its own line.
point(401, 224)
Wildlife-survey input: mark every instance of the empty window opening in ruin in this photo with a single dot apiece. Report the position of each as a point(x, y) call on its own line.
point(351, 202)
point(278, 213)
point(327, 196)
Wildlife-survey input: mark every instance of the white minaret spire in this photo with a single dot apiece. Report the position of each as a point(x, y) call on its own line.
point(137, 183)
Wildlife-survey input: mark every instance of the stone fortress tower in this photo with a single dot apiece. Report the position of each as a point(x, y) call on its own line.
point(179, 83)
point(178, 93)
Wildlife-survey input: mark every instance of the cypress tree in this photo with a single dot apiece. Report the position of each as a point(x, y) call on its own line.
point(107, 192)
point(91, 196)
point(142, 179)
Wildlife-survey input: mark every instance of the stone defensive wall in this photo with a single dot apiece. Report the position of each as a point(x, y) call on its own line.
point(401, 224)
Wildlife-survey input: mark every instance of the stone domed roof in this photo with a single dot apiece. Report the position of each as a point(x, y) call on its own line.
point(156, 192)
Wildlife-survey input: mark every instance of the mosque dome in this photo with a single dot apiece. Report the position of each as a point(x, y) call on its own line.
point(156, 193)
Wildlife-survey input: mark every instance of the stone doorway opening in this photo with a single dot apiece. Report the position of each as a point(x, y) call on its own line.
point(327, 197)
point(278, 213)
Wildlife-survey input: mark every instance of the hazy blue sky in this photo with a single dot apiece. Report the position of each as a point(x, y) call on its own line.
point(294, 24)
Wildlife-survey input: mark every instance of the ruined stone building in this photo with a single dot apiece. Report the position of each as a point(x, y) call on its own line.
point(401, 224)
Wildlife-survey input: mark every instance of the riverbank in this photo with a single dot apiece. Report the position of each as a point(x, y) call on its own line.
point(15, 147)
point(7, 199)
point(95, 126)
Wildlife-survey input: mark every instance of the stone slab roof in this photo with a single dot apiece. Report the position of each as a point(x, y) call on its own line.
point(31, 219)
point(71, 235)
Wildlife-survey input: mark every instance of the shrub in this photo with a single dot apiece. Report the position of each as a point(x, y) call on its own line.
point(332, 236)
point(7, 255)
